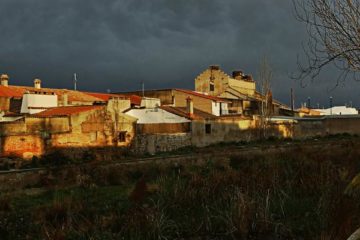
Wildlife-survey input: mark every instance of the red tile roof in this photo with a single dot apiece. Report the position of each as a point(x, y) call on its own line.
point(10, 92)
point(73, 96)
point(66, 111)
point(105, 96)
point(201, 95)
point(135, 99)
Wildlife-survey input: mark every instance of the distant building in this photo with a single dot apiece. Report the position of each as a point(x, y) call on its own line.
point(338, 110)
point(239, 89)
point(304, 112)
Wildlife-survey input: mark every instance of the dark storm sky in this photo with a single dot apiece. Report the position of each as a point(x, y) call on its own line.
point(165, 43)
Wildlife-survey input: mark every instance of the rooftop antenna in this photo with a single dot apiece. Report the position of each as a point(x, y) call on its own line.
point(75, 81)
point(143, 89)
point(292, 100)
point(331, 104)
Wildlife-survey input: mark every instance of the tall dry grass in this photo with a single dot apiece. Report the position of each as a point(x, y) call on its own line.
point(309, 193)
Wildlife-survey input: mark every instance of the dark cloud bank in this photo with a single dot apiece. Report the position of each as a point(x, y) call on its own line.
point(165, 43)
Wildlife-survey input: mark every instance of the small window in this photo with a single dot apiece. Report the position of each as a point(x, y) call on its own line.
point(208, 128)
point(122, 136)
point(212, 88)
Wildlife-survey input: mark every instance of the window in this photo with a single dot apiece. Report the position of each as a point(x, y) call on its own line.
point(212, 88)
point(122, 136)
point(208, 128)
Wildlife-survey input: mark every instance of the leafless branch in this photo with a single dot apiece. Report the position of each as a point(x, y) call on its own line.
point(333, 27)
point(265, 76)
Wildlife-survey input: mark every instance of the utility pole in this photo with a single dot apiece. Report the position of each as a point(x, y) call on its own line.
point(292, 103)
point(143, 89)
point(75, 81)
point(331, 104)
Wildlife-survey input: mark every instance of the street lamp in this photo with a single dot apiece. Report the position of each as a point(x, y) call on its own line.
point(331, 104)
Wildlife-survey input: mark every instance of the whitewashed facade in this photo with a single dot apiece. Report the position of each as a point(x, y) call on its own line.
point(155, 115)
point(35, 103)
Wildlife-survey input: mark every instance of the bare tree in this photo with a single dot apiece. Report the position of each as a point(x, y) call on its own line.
point(334, 37)
point(264, 78)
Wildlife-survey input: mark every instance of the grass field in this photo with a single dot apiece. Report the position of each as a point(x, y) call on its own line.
point(299, 193)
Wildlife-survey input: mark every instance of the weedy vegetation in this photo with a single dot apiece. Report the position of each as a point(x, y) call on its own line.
point(300, 193)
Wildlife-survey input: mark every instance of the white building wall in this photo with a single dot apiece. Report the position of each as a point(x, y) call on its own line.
point(216, 108)
point(338, 110)
point(150, 102)
point(155, 115)
point(224, 109)
point(35, 103)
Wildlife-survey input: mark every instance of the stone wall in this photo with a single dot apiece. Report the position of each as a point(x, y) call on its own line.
point(36, 136)
point(152, 143)
point(342, 124)
point(309, 128)
point(229, 129)
point(322, 126)
point(24, 146)
point(163, 128)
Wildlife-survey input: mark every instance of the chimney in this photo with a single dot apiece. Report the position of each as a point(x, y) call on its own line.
point(190, 106)
point(248, 78)
point(65, 99)
point(214, 67)
point(238, 74)
point(4, 80)
point(37, 83)
point(292, 100)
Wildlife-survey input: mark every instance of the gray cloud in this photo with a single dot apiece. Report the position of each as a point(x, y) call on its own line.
point(118, 44)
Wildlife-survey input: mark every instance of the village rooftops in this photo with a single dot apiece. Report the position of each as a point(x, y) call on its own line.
point(155, 116)
point(10, 92)
point(73, 96)
point(66, 111)
point(198, 94)
point(186, 91)
point(106, 96)
point(182, 111)
point(19, 91)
